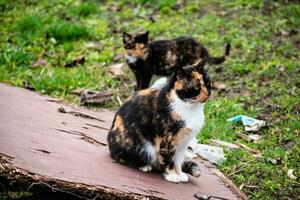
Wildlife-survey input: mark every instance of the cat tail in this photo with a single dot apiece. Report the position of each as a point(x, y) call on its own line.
point(191, 167)
point(219, 60)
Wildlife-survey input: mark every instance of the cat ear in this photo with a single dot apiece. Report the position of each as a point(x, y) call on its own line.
point(144, 37)
point(126, 37)
point(179, 71)
point(199, 64)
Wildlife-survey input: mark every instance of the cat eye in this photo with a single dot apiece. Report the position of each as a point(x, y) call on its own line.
point(130, 46)
point(196, 87)
point(179, 77)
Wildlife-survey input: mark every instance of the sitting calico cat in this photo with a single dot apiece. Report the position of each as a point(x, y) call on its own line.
point(153, 129)
point(162, 57)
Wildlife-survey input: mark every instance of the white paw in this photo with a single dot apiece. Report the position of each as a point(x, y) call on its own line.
point(184, 177)
point(175, 178)
point(146, 168)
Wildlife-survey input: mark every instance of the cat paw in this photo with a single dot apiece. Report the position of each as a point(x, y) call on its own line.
point(184, 177)
point(146, 168)
point(175, 178)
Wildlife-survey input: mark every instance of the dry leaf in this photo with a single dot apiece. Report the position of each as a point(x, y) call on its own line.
point(78, 91)
point(116, 70)
point(254, 152)
point(272, 160)
point(250, 138)
point(94, 45)
point(117, 57)
point(94, 97)
point(77, 61)
point(291, 175)
point(219, 85)
point(254, 137)
point(40, 62)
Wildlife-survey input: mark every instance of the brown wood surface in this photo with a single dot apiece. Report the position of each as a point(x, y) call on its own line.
point(43, 141)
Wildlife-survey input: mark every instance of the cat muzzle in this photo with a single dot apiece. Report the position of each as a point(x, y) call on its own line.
point(196, 100)
point(130, 59)
point(192, 100)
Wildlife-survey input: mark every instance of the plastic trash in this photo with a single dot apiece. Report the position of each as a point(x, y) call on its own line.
point(159, 83)
point(251, 124)
point(210, 153)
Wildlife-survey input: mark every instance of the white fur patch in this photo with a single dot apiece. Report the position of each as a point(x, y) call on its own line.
point(191, 114)
point(146, 168)
point(176, 178)
point(149, 150)
point(193, 117)
point(130, 59)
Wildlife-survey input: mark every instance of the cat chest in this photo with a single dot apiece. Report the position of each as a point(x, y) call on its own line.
point(191, 114)
point(193, 119)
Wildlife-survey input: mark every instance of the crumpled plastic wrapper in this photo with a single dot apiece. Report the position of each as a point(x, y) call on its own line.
point(251, 124)
point(210, 153)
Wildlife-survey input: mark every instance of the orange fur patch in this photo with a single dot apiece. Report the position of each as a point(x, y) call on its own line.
point(178, 85)
point(140, 51)
point(119, 125)
point(175, 116)
point(158, 141)
point(145, 92)
point(180, 136)
point(204, 95)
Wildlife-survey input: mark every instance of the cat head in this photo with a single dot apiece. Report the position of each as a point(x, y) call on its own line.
point(191, 83)
point(136, 46)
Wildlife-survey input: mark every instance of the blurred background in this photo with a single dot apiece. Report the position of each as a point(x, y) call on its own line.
point(58, 46)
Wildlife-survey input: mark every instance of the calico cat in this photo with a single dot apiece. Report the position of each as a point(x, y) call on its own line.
point(152, 130)
point(162, 57)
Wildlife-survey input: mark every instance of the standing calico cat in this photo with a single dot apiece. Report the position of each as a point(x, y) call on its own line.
point(162, 57)
point(153, 129)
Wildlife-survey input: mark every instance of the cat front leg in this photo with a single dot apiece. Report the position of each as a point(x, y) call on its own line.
point(172, 165)
point(166, 161)
point(175, 174)
point(145, 80)
point(171, 176)
point(138, 81)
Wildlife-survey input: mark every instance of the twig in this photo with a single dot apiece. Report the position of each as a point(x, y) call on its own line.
point(59, 190)
point(119, 100)
point(241, 186)
point(241, 167)
point(251, 186)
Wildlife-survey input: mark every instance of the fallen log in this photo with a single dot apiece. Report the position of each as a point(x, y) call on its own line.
point(54, 150)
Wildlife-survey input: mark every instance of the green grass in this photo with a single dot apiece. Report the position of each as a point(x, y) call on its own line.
point(262, 74)
point(66, 31)
point(84, 9)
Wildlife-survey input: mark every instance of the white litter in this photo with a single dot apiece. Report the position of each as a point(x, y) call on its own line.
point(251, 124)
point(210, 153)
point(159, 83)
